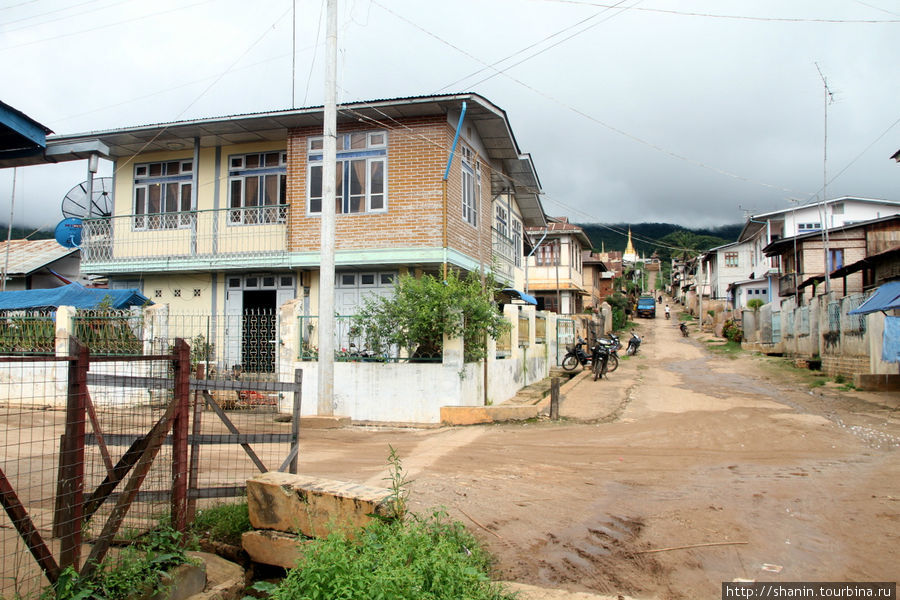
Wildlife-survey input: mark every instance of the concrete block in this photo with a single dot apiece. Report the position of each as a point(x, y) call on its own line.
point(224, 579)
point(273, 547)
point(311, 505)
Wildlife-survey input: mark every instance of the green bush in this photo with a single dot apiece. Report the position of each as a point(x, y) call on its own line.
point(733, 332)
point(416, 559)
point(755, 304)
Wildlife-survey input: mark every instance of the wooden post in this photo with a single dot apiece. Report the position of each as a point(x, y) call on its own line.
point(182, 368)
point(71, 460)
point(295, 420)
point(554, 398)
point(196, 430)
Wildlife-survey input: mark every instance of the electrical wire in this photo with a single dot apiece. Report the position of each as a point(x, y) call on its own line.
point(59, 10)
point(529, 47)
point(614, 129)
point(106, 26)
point(738, 17)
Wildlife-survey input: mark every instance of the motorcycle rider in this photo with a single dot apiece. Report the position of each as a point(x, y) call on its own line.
point(667, 311)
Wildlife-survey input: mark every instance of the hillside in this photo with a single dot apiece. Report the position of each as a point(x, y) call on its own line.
point(20, 232)
point(644, 236)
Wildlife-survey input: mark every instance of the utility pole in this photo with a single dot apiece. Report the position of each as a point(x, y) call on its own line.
point(823, 211)
point(325, 405)
point(12, 205)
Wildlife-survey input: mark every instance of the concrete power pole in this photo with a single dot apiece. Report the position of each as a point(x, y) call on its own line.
point(325, 405)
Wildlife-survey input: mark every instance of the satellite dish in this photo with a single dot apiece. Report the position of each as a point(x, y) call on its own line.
point(76, 205)
point(68, 233)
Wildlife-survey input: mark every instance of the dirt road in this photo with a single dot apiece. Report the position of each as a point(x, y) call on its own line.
point(766, 477)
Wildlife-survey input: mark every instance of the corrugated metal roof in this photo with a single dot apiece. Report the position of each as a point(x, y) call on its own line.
point(27, 256)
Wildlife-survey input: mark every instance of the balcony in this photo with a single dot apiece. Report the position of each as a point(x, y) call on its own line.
point(185, 241)
point(787, 284)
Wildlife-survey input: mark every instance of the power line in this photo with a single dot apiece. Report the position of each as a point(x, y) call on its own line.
point(738, 17)
point(58, 10)
point(530, 46)
point(106, 26)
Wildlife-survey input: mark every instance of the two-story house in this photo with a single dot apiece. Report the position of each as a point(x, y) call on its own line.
point(555, 271)
point(598, 279)
point(847, 245)
point(222, 215)
point(728, 275)
point(761, 230)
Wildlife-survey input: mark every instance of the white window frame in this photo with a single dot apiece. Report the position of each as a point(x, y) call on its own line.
point(182, 216)
point(259, 214)
point(471, 187)
point(374, 153)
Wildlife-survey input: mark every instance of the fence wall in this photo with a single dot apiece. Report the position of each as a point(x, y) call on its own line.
point(414, 392)
point(847, 345)
point(272, 346)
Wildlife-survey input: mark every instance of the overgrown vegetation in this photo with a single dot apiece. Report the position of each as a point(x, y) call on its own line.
point(733, 332)
point(414, 559)
point(137, 570)
point(222, 523)
point(618, 301)
point(423, 310)
point(400, 557)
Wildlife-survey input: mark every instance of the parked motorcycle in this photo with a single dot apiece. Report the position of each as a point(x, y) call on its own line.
point(612, 346)
point(684, 329)
point(576, 355)
point(633, 344)
point(601, 360)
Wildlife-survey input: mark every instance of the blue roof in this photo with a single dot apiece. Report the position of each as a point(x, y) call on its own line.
point(73, 294)
point(887, 297)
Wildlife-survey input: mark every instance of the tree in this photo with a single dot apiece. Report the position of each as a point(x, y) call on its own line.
point(423, 310)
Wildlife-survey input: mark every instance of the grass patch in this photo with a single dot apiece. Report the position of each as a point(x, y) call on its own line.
point(818, 382)
point(222, 523)
point(730, 348)
point(433, 558)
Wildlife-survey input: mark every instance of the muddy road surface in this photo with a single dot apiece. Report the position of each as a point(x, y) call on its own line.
point(684, 469)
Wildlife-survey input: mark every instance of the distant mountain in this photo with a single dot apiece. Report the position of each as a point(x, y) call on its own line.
point(650, 237)
point(20, 232)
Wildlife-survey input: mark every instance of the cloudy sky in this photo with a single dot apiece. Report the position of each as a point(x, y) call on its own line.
point(685, 111)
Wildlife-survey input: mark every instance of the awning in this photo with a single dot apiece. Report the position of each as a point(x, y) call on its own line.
point(887, 297)
point(520, 295)
point(73, 294)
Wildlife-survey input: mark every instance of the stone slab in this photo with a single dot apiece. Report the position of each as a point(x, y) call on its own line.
point(475, 415)
point(273, 547)
point(311, 505)
point(324, 422)
point(224, 579)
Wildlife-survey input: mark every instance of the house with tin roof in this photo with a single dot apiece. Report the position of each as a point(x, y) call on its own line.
point(222, 215)
point(38, 264)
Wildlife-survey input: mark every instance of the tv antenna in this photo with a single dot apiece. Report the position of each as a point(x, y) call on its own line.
point(76, 204)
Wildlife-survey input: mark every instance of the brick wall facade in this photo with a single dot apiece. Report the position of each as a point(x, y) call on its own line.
point(417, 151)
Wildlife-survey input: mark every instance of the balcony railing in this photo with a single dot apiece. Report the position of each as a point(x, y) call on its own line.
point(185, 237)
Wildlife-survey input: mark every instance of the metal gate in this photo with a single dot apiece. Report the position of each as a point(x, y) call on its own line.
point(123, 454)
point(565, 335)
point(776, 327)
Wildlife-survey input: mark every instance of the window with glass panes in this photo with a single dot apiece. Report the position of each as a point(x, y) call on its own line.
point(162, 194)
point(257, 192)
point(360, 178)
point(731, 259)
point(471, 186)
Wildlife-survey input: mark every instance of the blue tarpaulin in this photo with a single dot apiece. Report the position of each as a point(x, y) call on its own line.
point(73, 294)
point(890, 345)
point(526, 298)
point(886, 297)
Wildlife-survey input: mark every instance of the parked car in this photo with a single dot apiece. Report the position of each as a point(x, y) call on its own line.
point(646, 307)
